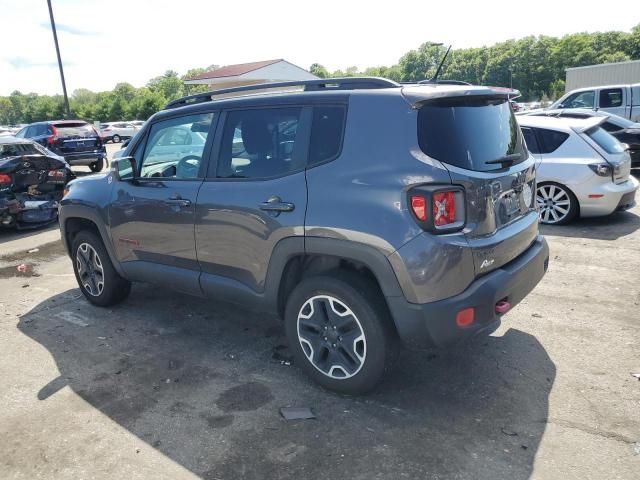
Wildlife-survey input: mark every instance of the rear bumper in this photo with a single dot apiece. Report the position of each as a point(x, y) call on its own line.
point(615, 197)
point(434, 323)
point(84, 158)
point(26, 211)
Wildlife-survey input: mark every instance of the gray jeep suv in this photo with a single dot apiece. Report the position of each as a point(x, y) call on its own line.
point(364, 212)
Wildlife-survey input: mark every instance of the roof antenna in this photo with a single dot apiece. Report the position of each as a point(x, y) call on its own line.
point(434, 79)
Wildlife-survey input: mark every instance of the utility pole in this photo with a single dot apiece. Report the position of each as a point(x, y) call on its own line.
point(55, 40)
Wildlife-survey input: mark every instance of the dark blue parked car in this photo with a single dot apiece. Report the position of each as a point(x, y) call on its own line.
point(75, 140)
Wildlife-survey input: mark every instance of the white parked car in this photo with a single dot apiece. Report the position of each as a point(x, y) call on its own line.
point(117, 131)
point(582, 170)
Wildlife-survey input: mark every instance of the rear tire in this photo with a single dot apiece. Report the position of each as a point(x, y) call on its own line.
point(116, 138)
point(97, 279)
point(557, 204)
point(340, 332)
point(97, 166)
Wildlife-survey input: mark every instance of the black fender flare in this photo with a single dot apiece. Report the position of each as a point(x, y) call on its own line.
point(291, 247)
point(84, 212)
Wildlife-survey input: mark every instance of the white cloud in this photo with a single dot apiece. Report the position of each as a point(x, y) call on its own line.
point(106, 42)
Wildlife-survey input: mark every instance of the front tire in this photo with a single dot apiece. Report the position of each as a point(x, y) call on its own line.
point(97, 279)
point(116, 138)
point(557, 204)
point(340, 332)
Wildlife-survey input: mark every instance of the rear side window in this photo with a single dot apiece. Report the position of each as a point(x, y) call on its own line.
point(550, 140)
point(530, 139)
point(74, 129)
point(260, 143)
point(469, 132)
point(326, 133)
point(605, 140)
point(610, 97)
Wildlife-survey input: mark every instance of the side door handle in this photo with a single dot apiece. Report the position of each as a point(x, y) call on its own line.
point(276, 205)
point(177, 201)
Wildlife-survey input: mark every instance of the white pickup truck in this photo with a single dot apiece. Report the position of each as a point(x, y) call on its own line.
point(622, 100)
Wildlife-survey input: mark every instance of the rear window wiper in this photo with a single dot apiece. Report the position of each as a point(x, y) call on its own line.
point(507, 160)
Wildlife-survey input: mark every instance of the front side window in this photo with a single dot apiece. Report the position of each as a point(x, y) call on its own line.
point(175, 147)
point(580, 100)
point(471, 133)
point(610, 97)
point(260, 143)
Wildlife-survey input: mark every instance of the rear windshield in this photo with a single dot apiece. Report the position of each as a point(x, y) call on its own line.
point(605, 140)
point(17, 149)
point(468, 132)
point(71, 129)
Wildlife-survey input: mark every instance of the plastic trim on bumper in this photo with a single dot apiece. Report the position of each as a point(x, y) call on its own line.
point(434, 324)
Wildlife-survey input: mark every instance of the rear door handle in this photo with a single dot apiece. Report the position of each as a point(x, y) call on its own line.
point(178, 202)
point(275, 204)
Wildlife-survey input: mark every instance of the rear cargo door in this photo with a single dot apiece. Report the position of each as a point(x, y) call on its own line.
point(610, 149)
point(75, 138)
point(480, 143)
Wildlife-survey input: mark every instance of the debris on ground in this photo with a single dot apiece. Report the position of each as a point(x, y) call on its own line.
point(33, 250)
point(22, 268)
point(282, 355)
point(637, 375)
point(536, 315)
point(509, 432)
point(296, 413)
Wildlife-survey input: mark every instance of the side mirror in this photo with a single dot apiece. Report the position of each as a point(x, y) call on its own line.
point(124, 169)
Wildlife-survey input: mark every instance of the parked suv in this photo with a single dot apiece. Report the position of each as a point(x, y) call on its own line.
point(75, 140)
point(117, 131)
point(362, 211)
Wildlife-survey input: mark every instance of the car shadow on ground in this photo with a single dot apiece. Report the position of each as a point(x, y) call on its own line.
point(197, 380)
point(611, 227)
point(9, 234)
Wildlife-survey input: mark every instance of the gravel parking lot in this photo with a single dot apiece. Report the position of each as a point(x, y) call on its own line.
point(168, 386)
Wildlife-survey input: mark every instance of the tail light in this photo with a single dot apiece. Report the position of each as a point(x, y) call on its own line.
point(5, 179)
point(98, 137)
point(439, 209)
point(53, 138)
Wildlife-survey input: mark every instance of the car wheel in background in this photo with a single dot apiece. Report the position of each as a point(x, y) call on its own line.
point(557, 205)
point(97, 166)
point(116, 138)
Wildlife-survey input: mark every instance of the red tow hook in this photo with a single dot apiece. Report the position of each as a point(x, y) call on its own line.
point(502, 307)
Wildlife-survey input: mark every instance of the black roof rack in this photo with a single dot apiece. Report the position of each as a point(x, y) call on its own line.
point(349, 83)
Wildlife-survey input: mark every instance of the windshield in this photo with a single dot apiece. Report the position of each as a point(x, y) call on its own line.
point(469, 132)
point(605, 140)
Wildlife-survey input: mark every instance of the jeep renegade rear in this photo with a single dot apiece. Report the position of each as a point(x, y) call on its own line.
point(363, 212)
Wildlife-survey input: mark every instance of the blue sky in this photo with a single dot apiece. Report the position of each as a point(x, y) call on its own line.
point(108, 41)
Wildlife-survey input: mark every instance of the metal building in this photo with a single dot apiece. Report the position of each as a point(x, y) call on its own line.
point(604, 74)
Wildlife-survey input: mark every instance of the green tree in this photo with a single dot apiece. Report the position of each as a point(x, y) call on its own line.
point(319, 70)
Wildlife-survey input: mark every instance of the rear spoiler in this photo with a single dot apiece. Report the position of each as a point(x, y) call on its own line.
point(589, 124)
point(416, 95)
